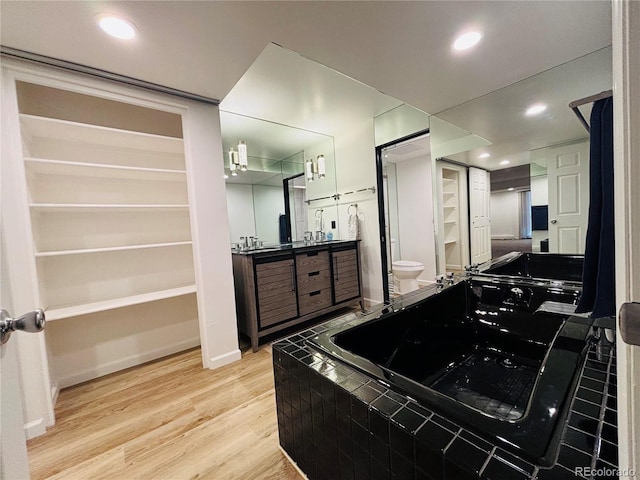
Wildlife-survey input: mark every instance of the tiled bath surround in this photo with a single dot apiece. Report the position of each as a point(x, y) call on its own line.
point(337, 423)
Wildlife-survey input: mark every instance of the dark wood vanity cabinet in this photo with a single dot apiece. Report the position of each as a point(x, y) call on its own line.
point(279, 288)
point(346, 274)
point(276, 292)
point(314, 281)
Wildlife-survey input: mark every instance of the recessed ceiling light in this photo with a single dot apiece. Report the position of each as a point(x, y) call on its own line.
point(511, 189)
point(117, 27)
point(484, 155)
point(505, 162)
point(535, 109)
point(467, 40)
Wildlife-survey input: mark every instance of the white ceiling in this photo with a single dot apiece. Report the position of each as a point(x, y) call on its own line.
point(400, 48)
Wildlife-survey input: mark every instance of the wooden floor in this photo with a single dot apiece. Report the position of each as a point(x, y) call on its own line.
point(169, 419)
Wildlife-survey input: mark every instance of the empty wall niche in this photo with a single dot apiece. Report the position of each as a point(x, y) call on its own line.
point(109, 216)
point(451, 218)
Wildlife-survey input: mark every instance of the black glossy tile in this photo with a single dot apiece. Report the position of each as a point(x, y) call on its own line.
point(343, 400)
point(362, 462)
point(401, 468)
point(360, 436)
point(360, 412)
point(579, 440)
point(430, 459)
point(443, 422)
point(408, 419)
point(419, 409)
point(608, 452)
point(380, 451)
point(586, 408)
point(379, 426)
point(513, 461)
point(611, 417)
point(591, 384)
point(610, 433)
point(571, 458)
point(586, 424)
point(476, 440)
point(462, 455)
point(350, 383)
point(556, 473)
point(497, 470)
point(434, 435)
point(612, 403)
point(385, 405)
point(606, 471)
point(346, 467)
point(366, 393)
point(590, 396)
point(396, 396)
point(378, 472)
point(401, 441)
point(595, 374)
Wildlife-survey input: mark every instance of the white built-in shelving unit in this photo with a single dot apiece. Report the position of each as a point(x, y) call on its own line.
point(109, 215)
point(451, 218)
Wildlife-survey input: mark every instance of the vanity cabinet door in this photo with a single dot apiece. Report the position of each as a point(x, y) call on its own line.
point(346, 277)
point(276, 292)
point(314, 281)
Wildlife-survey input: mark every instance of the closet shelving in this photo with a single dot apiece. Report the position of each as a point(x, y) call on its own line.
point(110, 215)
point(451, 217)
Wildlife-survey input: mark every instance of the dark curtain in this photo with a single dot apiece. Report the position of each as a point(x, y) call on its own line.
point(598, 274)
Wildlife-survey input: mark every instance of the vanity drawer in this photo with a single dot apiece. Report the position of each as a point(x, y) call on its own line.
point(312, 281)
point(313, 301)
point(312, 261)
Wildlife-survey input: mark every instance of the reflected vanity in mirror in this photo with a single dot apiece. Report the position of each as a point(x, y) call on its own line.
point(268, 197)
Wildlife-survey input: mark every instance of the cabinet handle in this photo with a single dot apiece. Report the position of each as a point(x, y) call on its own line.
point(335, 268)
point(293, 279)
point(317, 292)
point(313, 274)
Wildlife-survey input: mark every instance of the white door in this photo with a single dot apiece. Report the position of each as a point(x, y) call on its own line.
point(568, 177)
point(479, 199)
point(13, 453)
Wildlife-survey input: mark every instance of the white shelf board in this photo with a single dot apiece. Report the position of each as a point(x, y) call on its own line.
point(449, 194)
point(449, 206)
point(450, 242)
point(40, 166)
point(86, 207)
point(450, 222)
point(53, 128)
point(58, 313)
point(110, 249)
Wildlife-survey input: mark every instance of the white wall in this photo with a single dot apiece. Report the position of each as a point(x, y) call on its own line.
point(539, 190)
point(415, 214)
point(505, 215)
point(268, 204)
point(356, 169)
point(240, 211)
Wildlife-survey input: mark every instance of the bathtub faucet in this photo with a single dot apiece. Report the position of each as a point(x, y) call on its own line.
point(450, 278)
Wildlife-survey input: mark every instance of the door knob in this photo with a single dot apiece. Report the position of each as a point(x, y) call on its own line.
point(29, 322)
point(553, 222)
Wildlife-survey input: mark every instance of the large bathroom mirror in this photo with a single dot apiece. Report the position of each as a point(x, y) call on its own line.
point(524, 152)
point(268, 197)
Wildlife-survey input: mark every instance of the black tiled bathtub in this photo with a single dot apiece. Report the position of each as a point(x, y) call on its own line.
point(337, 423)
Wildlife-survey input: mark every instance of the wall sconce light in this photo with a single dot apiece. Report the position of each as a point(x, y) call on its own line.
point(316, 168)
point(322, 167)
point(242, 151)
point(309, 170)
point(234, 161)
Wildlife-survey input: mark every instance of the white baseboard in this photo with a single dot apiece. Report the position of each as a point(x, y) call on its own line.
point(503, 237)
point(35, 428)
point(130, 361)
point(55, 391)
point(225, 359)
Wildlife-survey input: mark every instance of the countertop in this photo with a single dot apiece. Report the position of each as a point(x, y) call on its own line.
point(289, 247)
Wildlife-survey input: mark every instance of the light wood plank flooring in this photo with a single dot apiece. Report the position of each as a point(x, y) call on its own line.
point(168, 419)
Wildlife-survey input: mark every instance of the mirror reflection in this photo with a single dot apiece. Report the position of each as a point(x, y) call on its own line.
point(267, 195)
point(536, 151)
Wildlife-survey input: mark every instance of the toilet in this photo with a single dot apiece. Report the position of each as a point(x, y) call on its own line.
point(406, 274)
